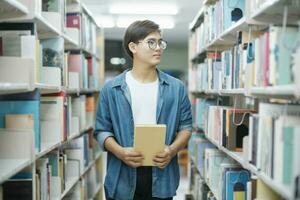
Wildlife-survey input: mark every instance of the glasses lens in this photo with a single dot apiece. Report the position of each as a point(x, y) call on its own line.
point(152, 44)
point(162, 44)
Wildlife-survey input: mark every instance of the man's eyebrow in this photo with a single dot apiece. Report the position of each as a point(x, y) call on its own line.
point(154, 39)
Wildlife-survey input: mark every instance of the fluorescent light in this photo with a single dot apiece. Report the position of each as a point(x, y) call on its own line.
point(105, 21)
point(141, 9)
point(163, 22)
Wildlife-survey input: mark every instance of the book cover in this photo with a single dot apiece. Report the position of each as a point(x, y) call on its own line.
point(236, 182)
point(19, 121)
point(149, 140)
point(24, 103)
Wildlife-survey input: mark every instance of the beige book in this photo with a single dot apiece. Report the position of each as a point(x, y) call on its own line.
point(149, 140)
point(22, 121)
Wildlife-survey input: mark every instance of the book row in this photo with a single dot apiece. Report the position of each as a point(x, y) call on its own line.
point(225, 178)
point(26, 59)
point(217, 18)
point(65, 17)
point(259, 59)
point(56, 173)
point(266, 139)
point(53, 118)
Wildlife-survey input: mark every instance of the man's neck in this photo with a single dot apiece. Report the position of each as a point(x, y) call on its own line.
point(144, 73)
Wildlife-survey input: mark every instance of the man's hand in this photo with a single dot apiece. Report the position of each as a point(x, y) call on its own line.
point(162, 159)
point(131, 157)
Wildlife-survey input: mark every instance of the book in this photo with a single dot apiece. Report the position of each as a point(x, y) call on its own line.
point(25, 103)
point(19, 121)
point(236, 182)
point(149, 140)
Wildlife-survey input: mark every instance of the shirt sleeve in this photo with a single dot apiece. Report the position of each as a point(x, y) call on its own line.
point(103, 127)
point(185, 120)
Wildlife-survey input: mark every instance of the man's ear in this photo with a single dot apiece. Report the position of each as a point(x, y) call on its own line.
point(132, 47)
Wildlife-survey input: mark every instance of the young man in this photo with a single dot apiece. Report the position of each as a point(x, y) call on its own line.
point(142, 95)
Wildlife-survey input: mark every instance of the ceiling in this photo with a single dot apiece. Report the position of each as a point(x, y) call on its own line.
point(178, 35)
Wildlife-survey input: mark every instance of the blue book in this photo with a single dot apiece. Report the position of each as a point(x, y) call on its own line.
point(22, 175)
point(236, 184)
point(53, 161)
point(233, 10)
point(25, 103)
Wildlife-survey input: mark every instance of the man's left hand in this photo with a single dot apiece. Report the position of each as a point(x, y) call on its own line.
point(162, 159)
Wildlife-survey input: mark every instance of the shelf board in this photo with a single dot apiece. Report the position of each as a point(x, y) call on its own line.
point(10, 167)
point(47, 148)
point(197, 20)
point(13, 7)
point(271, 11)
point(12, 88)
point(281, 189)
point(82, 91)
point(69, 185)
point(286, 91)
point(202, 94)
point(229, 92)
point(45, 28)
point(228, 37)
point(212, 91)
point(47, 89)
point(70, 42)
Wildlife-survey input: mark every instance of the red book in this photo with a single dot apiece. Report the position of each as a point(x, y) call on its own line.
point(74, 21)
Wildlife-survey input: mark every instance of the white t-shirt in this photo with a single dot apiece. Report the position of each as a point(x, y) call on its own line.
point(143, 100)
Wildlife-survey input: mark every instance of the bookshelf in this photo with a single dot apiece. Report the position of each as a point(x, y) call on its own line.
point(61, 109)
point(13, 6)
point(255, 84)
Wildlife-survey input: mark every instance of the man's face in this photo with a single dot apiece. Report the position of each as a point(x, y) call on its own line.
point(149, 49)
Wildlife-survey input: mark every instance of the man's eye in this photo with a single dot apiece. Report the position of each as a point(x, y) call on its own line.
point(151, 42)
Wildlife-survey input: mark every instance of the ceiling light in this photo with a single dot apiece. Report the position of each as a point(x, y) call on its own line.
point(150, 9)
point(163, 22)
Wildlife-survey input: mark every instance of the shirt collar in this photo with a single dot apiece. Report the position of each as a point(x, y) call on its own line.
point(121, 79)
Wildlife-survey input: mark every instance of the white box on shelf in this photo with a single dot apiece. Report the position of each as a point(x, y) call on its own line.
point(74, 80)
point(51, 76)
point(50, 133)
point(17, 70)
point(75, 126)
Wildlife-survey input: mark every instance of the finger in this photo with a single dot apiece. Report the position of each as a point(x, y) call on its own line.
point(135, 159)
point(159, 160)
point(133, 154)
point(134, 164)
point(161, 155)
point(161, 165)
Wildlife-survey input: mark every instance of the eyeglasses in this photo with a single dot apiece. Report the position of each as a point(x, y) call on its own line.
point(153, 44)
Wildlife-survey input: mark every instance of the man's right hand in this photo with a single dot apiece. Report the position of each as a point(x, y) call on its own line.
point(131, 158)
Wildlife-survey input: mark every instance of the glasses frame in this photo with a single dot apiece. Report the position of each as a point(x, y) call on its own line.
point(155, 44)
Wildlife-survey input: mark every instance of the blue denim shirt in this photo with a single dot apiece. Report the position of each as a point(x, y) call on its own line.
point(114, 119)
